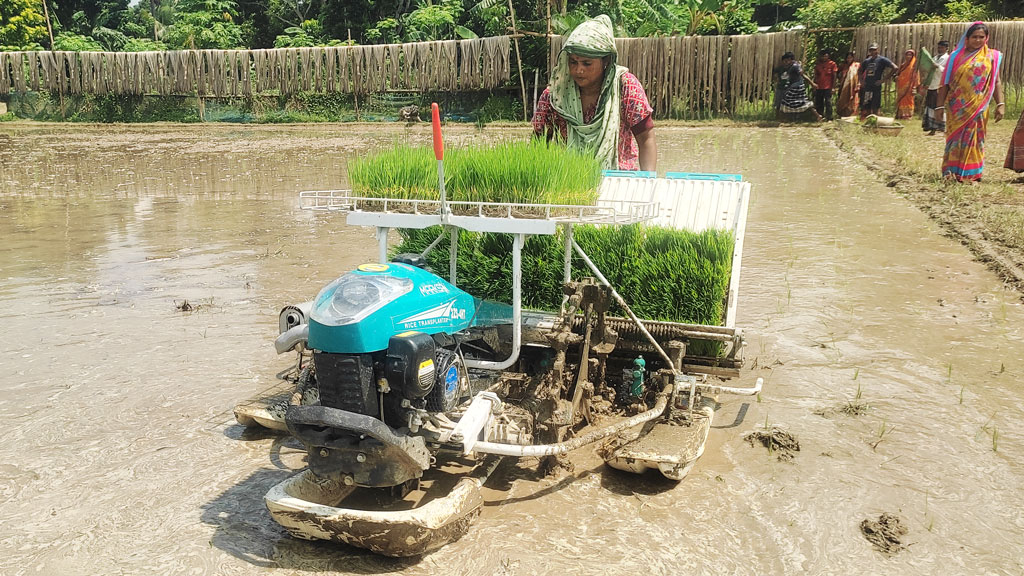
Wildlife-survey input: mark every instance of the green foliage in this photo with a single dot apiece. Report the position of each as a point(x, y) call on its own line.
point(523, 172)
point(663, 274)
point(143, 45)
point(643, 18)
point(309, 33)
point(960, 11)
point(111, 40)
point(387, 31)
point(488, 19)
point(433, 21)
point(204, 30)
point(734, 17)
point(330, 107)
point(290, 117)
point(69, 42)
point(7, 117)
point(499, 107)
point(845, 13)
point(22, 25)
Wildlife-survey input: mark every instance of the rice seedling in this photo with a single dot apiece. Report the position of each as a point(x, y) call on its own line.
point(530, 172)
point(663, 274)
point(884, 429)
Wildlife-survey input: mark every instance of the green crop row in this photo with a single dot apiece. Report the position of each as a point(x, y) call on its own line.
point(663, 274)
point(530, 172)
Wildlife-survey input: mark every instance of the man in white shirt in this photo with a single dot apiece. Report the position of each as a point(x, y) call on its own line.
point(934, 82)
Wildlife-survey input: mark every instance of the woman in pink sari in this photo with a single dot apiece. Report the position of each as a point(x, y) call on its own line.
point(970, 82)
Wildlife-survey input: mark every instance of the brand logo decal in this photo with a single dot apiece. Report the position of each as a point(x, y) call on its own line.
point(436, 315)
point(431, 289)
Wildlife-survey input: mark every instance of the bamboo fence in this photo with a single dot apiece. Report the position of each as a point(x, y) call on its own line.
point(682, 75)
point(703, 74)
point(894, 39)
point(480, 64)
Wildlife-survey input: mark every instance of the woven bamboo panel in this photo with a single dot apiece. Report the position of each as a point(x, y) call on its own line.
point(696, 75)
point(480, 64)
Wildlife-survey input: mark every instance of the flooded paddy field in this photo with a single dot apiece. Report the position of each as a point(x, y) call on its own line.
point(892, 357)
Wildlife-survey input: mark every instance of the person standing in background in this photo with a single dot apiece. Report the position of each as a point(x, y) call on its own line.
point(1015, 155)
point(872, 75)
point(933, 68)
point(907, 80)
point(825, 71)
point(848, 101)
point(970, 85)
point(791, 93)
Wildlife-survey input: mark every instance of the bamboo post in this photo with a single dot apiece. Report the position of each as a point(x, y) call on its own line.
point(60, 86)
point(536, 83)
point(519, 59)
point(355, 91)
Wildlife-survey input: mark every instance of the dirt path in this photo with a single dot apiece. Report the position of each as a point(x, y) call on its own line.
point(120, 455)
point(962, 210)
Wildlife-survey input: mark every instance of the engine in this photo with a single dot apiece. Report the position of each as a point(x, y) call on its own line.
point(386, 342)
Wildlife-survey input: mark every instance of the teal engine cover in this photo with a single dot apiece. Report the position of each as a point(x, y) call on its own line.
point(362, 310)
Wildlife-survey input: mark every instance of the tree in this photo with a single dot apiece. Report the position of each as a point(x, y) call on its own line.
point(432, 21)
point(70, 42)
point(847, 13)
point(82, 16)
point(204, 25)
point(22, 25)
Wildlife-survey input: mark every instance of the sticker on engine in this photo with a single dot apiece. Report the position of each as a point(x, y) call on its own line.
point(426, 366)
point(373, 267)
point(451, 381)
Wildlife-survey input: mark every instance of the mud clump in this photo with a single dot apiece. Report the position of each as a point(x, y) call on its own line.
point(885, 534)
point(777, 441)
point(846, 408)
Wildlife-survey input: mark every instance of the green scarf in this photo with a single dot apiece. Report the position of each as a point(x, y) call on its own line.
point(928, 65)
point(591, 39)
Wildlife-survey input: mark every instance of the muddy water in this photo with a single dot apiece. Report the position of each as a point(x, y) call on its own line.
point(120, 456)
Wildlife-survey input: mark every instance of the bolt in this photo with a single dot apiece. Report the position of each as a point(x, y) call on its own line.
point(360, 457)
point(349, 481)
point(324, 453)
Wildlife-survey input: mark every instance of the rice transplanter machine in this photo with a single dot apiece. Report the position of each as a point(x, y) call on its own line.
point(408, 391)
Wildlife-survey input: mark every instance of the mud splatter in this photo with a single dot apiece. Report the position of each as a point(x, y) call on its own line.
point(777, 441)
point(885, 533)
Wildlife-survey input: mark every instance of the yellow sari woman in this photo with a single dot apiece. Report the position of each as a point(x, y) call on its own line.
point(970, 82)
point(907, 81)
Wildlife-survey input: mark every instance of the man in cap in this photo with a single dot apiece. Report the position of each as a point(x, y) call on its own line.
point(873, 72)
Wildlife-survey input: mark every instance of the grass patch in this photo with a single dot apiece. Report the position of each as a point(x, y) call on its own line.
point(290, 117)
point(994, 208)
point(528, 172)
point(7, 117)
point(663, 274)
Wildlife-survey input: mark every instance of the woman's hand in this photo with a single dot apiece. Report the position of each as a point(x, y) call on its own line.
point(1000, 111)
